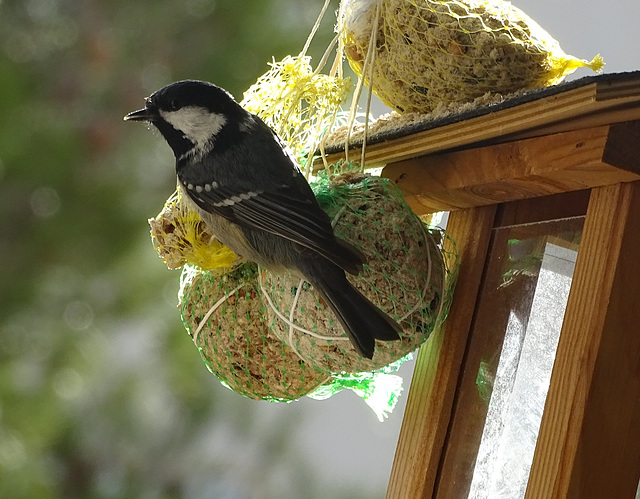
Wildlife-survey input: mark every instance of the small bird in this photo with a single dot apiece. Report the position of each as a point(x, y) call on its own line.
point(248, 188)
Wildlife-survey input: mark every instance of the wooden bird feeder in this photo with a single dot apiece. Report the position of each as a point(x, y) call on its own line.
point(533, 383)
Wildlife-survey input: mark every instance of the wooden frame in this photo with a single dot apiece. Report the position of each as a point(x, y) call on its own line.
point(438, 366)
point(579, 153)
point(596, 379)
point(589, 440)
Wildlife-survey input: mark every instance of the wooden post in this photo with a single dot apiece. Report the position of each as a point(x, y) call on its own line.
point(589, 440)
point(438, 365)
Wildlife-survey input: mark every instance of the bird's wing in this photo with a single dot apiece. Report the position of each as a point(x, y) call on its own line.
point(284, 213)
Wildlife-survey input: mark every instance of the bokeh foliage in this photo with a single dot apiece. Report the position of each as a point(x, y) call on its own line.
point(102, 393)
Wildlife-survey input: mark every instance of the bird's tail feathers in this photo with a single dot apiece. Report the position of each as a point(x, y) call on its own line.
point(362, 320)
point(347, 257)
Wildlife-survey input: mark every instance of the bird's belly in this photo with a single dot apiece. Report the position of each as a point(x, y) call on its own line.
point(256, 246)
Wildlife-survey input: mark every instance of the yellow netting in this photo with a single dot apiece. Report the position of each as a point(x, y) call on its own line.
point(181, 237)
point(297, 102)
point(429, 52)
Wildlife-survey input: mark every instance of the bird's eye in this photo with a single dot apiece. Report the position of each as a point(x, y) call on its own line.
point(174, 105)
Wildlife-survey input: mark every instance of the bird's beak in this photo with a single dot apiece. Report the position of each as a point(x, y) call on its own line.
point(145, 114)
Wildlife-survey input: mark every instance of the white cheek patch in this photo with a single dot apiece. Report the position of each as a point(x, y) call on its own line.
point(199, 125)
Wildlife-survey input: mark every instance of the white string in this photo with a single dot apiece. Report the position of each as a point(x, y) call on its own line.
point(320, 144)
point(294, 307)
point(295, 326)
point(315, 27)
point(215, 306)
point(338, 216)
point(373, 40)
point(325, 57)
point(368, 63)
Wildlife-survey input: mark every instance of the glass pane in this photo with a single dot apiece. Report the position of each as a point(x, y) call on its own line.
point(522, 381)
point(512, 349)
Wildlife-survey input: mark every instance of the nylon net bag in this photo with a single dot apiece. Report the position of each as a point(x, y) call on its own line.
point(297, 102)
point(250, 325)
point(405, 275)
point(225, 316)
point(234, 313)
point(429, 52)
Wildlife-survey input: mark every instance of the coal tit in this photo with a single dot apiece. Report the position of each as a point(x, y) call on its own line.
point(250, 191)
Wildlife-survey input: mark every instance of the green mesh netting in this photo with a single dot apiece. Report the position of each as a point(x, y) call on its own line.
point(225, 316)
point(429, 52)
point(405, 275)
point(269, 336)
point(380, 389)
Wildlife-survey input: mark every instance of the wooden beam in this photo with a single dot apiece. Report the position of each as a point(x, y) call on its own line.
point(589, 440)
point(527, 168)
point(535, 210)
point(438, 365)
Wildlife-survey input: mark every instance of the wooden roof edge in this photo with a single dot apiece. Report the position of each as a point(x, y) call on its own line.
point(606, 86)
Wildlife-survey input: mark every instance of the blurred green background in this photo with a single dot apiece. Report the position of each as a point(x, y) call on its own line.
point(102, 393)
